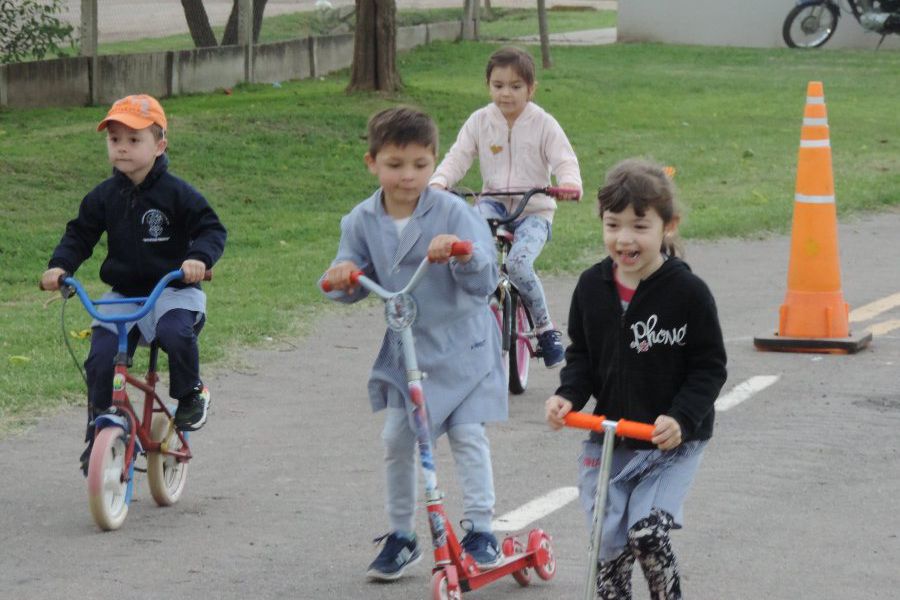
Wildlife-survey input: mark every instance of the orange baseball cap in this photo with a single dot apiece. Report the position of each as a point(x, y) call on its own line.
point(138, 112)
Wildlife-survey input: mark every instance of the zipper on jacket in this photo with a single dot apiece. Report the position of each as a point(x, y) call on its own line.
point(509, 152)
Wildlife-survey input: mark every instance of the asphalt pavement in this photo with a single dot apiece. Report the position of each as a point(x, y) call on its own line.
point(797, 497)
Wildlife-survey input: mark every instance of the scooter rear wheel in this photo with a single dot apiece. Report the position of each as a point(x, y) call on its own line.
point(512, 546)
point(538, 540)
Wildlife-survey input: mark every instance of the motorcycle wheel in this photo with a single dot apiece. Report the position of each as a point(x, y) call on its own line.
point(810, 24)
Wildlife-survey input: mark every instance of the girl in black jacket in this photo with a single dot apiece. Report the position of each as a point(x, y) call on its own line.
point(647, 345)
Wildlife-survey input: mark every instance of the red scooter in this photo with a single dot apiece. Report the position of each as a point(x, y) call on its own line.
point(454, 571)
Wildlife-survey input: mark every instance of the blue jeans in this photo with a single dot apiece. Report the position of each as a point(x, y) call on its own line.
point(531, 234)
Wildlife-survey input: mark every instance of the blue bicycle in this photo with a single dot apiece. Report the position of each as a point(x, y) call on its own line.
point(122, 433)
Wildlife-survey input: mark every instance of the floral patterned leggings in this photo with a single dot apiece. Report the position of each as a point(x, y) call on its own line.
point(648, 542)
point(531, 234)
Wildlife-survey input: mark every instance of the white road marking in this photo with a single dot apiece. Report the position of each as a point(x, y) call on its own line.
point(745, 390)
point(884, 327)
point(531, 511)
point(873, 309)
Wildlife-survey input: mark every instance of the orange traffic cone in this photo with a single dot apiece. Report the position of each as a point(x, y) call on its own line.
point(814, 316)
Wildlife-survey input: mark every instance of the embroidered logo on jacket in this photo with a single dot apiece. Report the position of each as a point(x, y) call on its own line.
point(156, 226)
point(646, 335)
point(495, 149)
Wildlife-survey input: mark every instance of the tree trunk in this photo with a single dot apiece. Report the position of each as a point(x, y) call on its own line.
point(544, 30)
point(230, 37)
point(375, 48)
point(198, 23)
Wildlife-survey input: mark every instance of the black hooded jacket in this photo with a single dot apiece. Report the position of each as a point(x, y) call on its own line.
point(663, 356)
point(151, 229)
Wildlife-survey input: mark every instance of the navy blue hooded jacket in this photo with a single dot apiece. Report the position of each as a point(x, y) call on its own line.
point(664, 355)
point(151, 229)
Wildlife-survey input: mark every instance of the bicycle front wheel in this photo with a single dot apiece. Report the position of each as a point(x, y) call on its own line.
point(810, 24)
point(520, 346)
point(165, 474)
point(107, 488)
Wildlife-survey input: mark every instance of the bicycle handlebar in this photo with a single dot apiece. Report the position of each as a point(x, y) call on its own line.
point(67, 282)
point(460, 248)
point(622, 427)
point(553, 191)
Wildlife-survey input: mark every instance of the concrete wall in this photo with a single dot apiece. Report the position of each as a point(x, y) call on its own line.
point(133, 73)
point(58, 82)
point(283, 61)
point(67, 82)
point(755, 23)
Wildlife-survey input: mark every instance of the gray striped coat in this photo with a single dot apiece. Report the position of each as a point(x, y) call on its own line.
point(456, 336)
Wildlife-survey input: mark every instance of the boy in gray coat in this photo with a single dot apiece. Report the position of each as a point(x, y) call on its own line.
point(457, 339)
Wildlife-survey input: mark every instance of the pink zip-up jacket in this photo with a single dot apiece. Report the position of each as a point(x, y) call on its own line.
point(512, 158)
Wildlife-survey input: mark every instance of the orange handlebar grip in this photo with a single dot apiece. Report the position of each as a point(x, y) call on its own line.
point(584, 421)
point(461, 248)
point(354, 277)
point(635, 430)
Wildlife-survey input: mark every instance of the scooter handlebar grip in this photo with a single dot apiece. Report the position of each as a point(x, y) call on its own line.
point(461, 248)
point(635, 430)
point(581, 420)
point(207, 276)
point(354, 277)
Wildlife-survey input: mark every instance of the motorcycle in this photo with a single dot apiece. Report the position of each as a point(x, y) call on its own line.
point(811, 23)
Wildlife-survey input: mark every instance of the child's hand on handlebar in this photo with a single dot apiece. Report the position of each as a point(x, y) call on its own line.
point(338, 276)
point(50, 279)
point(555, 408)
point(441, 246)
point(194, 270)
point(569, 192)
point(667, 434)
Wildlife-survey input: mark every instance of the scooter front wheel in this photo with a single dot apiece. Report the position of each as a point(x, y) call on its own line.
point(107, 488)
point(440, 587)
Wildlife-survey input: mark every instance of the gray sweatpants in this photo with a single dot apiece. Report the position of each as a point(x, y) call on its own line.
point(471, 452)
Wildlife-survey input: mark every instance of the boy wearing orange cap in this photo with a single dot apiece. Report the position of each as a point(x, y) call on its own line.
point(154, 223)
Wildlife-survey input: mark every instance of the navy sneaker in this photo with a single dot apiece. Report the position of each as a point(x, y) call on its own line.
point(193, 410)
point(483, 548)
point(551, 348)
point(397, 555)
point(85, 459)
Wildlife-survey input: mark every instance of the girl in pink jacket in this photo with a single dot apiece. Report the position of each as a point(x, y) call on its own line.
point(519, 146)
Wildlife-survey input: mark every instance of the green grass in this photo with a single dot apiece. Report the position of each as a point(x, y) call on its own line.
point(281, 165)
point(501, 23)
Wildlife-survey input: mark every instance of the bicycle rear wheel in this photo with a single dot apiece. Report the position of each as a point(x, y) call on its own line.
point(810, 24)
point(165, 474)
point(519, 345)
point(107, 490)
